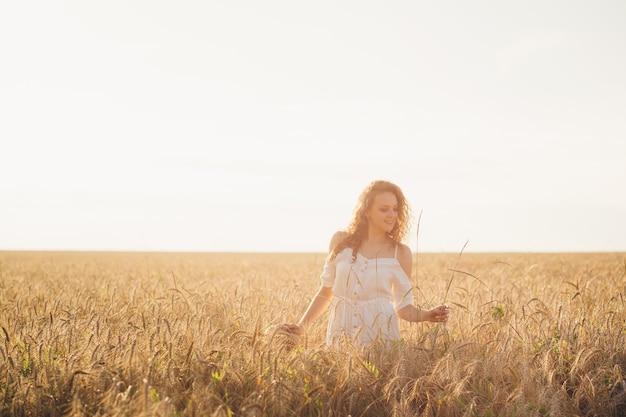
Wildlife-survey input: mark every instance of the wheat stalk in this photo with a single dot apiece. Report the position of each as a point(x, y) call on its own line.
point(445, 296)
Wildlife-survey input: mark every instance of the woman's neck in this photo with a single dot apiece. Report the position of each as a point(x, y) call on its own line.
point(376, 238)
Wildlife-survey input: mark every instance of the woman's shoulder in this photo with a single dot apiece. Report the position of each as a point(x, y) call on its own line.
point(404, 256)
point(338, 236)
point(403, 249)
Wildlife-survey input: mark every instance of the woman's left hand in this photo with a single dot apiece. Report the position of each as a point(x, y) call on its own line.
point(438, 314)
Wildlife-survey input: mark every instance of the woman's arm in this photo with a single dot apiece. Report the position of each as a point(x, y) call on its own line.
point(411, 312)
point(318, 305)
point(320, 301)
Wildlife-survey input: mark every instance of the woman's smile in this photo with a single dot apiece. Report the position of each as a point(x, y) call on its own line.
point(384, 211)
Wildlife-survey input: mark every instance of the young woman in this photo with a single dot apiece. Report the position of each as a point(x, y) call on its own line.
point(365, 280)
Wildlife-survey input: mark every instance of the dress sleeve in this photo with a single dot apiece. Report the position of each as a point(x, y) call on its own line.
point(402, 290)
point(328, 274)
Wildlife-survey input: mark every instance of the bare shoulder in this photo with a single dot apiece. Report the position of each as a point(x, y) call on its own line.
point(404, 251)
point(337, 237)
point(405, 258)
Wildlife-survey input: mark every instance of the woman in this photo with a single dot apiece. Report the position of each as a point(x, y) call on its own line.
point(365, 279)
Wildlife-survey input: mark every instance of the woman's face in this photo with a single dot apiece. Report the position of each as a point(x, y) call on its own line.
point(384, 212)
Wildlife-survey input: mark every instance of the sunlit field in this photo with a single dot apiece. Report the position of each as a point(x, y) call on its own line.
point(143, 334)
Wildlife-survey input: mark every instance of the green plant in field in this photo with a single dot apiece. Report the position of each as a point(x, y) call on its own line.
point(497, 312)
point(52, 355)
point(540, 408)
point(154, 395)
point(26, 369)
point(24, 353)
point(372, 368)
point(218, 376)
point(537, 347)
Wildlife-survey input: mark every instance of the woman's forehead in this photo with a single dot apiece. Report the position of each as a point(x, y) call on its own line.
point(385, 198)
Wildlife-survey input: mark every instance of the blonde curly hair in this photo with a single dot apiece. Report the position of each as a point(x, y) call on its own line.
point(357, 230)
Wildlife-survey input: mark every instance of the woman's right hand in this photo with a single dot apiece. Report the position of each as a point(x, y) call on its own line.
point(290, 328)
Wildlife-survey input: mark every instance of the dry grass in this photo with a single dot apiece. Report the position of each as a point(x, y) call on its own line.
point(183, 335)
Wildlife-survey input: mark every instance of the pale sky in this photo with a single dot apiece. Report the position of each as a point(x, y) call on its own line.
point(254, 125)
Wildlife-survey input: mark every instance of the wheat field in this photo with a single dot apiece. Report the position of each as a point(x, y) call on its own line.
point(185, 334)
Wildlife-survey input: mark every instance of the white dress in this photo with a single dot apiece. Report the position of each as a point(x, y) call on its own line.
point(367, 294)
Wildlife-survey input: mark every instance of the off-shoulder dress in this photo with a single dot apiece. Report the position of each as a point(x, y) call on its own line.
point(367, 294)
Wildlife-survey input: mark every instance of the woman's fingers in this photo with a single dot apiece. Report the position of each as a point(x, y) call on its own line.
point(295, 329)
point(441, 313)
point(288, 328)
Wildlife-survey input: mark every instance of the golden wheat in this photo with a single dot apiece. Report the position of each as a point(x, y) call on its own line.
point(185, 335)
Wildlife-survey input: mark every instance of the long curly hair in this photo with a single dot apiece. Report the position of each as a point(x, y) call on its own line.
point(357, 230)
